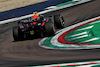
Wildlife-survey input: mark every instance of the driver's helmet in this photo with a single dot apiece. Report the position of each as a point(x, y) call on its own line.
point(35, 16)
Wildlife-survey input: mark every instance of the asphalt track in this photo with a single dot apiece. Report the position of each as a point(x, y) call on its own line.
point(22, 53)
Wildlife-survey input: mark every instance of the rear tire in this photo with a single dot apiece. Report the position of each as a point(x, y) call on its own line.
point(59, 21)
point(50, 29)
point(17, 34)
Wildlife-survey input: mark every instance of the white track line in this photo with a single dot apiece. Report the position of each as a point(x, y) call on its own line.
point(79, 37)
point(43, 12)
point(77, 34)
point(85, 28)
point(95, 22)
point(90, 40)
point(75, 63)
point(87, 65)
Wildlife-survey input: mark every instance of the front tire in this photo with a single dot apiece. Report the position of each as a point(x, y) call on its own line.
point(59, 21)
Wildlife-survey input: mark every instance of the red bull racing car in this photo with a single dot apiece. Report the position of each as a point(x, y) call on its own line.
point(41, 27)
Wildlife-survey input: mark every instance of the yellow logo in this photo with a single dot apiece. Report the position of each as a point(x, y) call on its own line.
point(32, 32)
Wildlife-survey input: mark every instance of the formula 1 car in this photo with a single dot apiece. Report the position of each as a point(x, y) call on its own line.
point(28, 28)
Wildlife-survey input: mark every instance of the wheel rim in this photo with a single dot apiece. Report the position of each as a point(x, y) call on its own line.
point(62, 21)
point(54, 28)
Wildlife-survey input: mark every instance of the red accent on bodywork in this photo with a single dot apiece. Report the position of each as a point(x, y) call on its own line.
point(43, 24)
point(33, 23)
point(20, 27)
point(27, 25)
point(47, 20)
